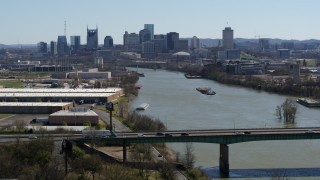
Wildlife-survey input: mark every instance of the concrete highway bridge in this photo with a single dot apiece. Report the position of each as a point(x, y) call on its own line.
point(224, 137)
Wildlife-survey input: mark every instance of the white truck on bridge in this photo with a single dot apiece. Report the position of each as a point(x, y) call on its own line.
point(96, 133)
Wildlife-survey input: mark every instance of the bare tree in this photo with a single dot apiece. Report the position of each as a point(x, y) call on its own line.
point(189, 158)
point(167, 171)
point(278, 112)
point(289, 108)
point(116, 171)
point(142, 154)
point(20, 124)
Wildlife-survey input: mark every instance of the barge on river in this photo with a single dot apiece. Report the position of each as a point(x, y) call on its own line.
point(308, 102)
point(206, 90)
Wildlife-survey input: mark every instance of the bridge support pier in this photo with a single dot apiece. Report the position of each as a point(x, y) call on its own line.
point(224, 159)
point(124, 151)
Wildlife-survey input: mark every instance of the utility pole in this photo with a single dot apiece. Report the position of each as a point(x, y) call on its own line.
point(109, 107)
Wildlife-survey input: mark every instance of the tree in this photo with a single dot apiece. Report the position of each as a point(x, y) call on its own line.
point(64, 123)
point(141, 154)
point(87, 123)
point(278, 112)
point(87, 163)
point(289, 108)
point(189, 158)
point(117, 171)
point(167, 171)
point(20, 124)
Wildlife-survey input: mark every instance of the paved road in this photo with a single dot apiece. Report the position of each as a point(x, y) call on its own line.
point(119, 127)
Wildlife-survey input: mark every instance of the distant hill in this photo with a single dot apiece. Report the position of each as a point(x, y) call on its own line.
point(214, 42)
point(3, 46)
point(18, 45)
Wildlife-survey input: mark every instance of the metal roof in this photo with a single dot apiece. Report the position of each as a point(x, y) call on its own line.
point(34, 103)
point(56, 94)
point(59, 90)
point(74, 113)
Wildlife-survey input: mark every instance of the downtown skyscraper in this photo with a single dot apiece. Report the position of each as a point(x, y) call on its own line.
point(150, 27)
point(92, 38)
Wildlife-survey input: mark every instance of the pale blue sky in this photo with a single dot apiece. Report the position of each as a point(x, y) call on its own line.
point(32, 21)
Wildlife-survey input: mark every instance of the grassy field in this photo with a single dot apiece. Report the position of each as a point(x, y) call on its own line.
point(5, 115)
point(311, 62)
point(11, 84)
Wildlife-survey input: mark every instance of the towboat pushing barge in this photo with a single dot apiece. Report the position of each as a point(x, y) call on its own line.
point(308, 102)
point(206, 90)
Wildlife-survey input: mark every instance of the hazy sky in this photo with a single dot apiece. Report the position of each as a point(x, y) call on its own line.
point(32, 21)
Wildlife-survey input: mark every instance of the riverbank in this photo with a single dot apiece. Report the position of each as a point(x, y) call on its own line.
point(181, 107)
point(283, 85)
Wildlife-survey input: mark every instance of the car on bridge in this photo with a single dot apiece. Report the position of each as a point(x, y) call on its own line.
point(32, 137)
point(239, 132)
point(310, 131)
point(184, 134)
point(160, 134)
point(168, 135)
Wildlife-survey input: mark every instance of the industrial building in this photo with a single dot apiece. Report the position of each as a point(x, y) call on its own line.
point(89, 75)
point(33, 107)
point(60, 95)
point(75, 116)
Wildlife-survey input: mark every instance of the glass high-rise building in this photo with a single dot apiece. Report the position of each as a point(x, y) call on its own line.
point(108, 42)
point(75, 43)
point(171, 38)
point(42, 47)
point(53, 48)
point(150, 27)
point(62, 45)
point(92, 38)
point(195, 43)
point(144, 35)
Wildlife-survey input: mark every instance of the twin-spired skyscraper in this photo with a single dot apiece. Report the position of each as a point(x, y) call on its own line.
point(92, 38)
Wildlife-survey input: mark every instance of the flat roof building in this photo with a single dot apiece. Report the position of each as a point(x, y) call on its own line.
point(34, 107)
point(60, 95)
point(74, 116)
point(227, 38)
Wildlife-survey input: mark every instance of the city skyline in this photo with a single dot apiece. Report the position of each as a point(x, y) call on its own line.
point(30, 23)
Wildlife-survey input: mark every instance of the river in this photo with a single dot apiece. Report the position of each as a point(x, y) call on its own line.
point(174, 100)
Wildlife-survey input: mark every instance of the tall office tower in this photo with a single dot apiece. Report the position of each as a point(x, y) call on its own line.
point(62, 45)
point(131, 41)
point(92, 38)
point(195, 43)
point(75, 43)
point(150, 27)
point(227, 38)
point(108, 42)
point(160, 43)
point(42, 47)
point(264, 44)
point(148, 49)
point(171, 37)
point(287, 45)
point(144, 35)
point(53, 48)
point(159, 36)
